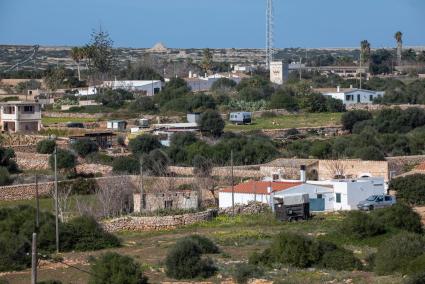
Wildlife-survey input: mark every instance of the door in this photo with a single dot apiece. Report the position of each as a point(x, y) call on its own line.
point(317, 204)
point(358, 98)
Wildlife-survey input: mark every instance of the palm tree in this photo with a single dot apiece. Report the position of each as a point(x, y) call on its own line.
point(364, 51)
point(77, 55)
point(399, 38)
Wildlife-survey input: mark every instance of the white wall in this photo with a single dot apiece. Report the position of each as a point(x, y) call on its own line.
point(364, 96)
point(225, 198)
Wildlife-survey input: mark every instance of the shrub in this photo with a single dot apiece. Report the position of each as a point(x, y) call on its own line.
point(4, 176)
point(121, 140)
point(410, 189)
point(126, 165)
point(350, 118)
point(212, 123)
point(202, 166)
point(65, 160)
point(369, 153)
point(81, 186)
point(361, 225)
point(292, 131)
point(416, 265)
point(268, 114)
point(144, 144)
point(115, 268)
point(46, 146)
point(99, 158)
point(50, 282)
point(206, 245)
point(340, 259)
point(142, 104)
point(395, 254)
point(243, 272)
point(295, 250)
point(83, 147)
point(184, 261)
point(400, 216)
point(84, 233)
point(418, 278)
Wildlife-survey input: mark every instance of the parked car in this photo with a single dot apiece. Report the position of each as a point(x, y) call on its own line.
point(376, 201)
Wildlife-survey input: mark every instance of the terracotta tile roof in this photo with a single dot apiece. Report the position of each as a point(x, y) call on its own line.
point(260, 187)
point(420, 167)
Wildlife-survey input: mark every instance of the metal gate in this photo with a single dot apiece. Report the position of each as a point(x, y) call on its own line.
point(317, 204)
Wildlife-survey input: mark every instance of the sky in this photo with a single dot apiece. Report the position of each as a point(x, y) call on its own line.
point(213, 23)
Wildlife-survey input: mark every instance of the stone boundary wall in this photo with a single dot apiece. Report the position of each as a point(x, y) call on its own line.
point(133, 223)
point(27, 191)
point(72, 115)
point(239, 171)
point(373, 107)
point(32, 161)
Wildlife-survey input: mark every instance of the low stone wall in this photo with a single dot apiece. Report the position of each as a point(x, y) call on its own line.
point(239, 171)
point(133, 223)
point(71, 115)
point(32, 161)
point(373, 107)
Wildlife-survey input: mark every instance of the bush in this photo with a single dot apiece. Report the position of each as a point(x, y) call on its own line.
point(395, 254)
point(83, 147)
point(417, 265)
point(99, 158)
point(126, 165)
point(268, 114)
point(418, 278)
point(361, 225)
point(202, 166)
point(350, 118)
point(65, 160)
point(243, 272)
point(115, 268)
point(4, 176)
point(400, 216)
point(50, 282)
point(184, 261)
point(81, 186)
point(370, 153)
point(340, 259)
point(46, 146)
point(212, 123)
point(410, 189)
point(142, 104)
point(84, 233)
point(144, 144)
point(206, 245)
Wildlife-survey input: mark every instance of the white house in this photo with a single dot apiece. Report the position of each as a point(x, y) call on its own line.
point(120, 125)
point(20, 116)
point(149, 87)
point(351, 95)
point(331, 195)
point(200, 84)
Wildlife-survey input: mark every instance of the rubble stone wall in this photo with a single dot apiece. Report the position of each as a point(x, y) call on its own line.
point(133, 223)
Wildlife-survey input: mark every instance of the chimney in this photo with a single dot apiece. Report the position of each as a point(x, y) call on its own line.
point(303, 175)
point(190, 74)
point(337, 89)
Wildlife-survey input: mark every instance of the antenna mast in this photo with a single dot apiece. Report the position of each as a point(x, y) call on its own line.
point(269, 33)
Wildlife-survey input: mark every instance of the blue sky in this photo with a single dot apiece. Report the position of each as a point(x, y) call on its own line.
point(212, 23)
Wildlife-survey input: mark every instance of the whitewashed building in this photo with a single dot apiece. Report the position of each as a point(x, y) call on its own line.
point(278, 72)
point(351, 95)
point(20, 116)
point(149, 87)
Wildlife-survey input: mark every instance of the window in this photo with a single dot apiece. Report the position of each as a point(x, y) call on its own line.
point(275, 176)
point(371, 98)
point(168, 204)
point(347, 97)
point(29, 109)
point(9, 110)
point(319, 196)
point(338, 197)
point(380, 199)
point(387, 198)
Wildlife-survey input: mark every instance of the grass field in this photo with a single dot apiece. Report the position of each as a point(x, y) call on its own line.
point(53, 120)
point(289, 121)
point(237, 238)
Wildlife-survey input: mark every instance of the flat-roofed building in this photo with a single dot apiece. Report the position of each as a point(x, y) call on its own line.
point(20, 116)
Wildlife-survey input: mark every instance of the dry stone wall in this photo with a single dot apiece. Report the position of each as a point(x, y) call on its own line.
point(133, 223)
point(32, 161)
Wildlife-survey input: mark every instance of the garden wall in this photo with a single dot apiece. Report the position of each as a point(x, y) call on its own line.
point(133, 223)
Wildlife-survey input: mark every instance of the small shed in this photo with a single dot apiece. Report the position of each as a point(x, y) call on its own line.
point(193, 117)
point(116, 124)
point(102, 139)
point(240, 117)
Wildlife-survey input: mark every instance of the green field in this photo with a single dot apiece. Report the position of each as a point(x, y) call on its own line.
point(237, 237)
point(289, 121)
point(53, 120)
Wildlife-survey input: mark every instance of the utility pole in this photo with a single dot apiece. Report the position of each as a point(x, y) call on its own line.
point(142, 189)
point(37, 205)
point(56, 200)
point(299, 68)
point(34, 259)
point(233, 184)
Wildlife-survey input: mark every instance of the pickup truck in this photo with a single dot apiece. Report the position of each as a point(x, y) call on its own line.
point(376, 201)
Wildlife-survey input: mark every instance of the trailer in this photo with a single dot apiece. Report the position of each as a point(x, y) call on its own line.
point(240, 117)
point(292, 208)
